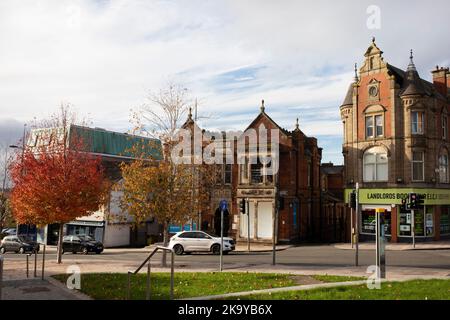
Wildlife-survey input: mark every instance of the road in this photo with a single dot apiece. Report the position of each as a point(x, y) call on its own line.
point(300, 257)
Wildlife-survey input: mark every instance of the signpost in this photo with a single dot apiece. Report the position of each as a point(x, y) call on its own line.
point(380, 243)
point(248, 223)
point(223, 206)
point(357, 225)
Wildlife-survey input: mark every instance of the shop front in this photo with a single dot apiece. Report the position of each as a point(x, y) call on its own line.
point(430, 222)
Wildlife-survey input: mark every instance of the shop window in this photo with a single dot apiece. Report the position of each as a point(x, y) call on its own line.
point(375, 165)
point(405, 223)
point(418, 169)
point(368, 222)
point(443, 168)
point(429, 222)
point(417, 122)
point(445, 220)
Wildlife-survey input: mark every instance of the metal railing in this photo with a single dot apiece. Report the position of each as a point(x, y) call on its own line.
point(148, 289)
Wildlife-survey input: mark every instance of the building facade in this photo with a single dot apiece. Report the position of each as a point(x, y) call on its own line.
point(295, 186)
point(396, 141)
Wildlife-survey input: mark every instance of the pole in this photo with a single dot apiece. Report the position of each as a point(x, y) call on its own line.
point(380, 244)
point(148, 281)
point(28, 268)
point(172, 271)
point(1, 275)
point(221, 239)
point(35, 263)
point(357, 226)
point(352, 233)
point(413, 226)
point(248, 224)
point(274, 237)
point(43, 261)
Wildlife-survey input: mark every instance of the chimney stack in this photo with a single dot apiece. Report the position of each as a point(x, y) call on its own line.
point(441, 80)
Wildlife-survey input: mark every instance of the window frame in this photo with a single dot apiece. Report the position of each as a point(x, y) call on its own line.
point(441, 165)
point(422, 162)
point(420, 123)
point(374, 127)
point(375, 165)
point(444, 125)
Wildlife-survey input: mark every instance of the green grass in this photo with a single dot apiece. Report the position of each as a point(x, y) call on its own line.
point(411, 290)
point(112, 286)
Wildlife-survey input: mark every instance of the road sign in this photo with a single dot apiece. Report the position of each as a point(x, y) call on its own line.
point(223, 205)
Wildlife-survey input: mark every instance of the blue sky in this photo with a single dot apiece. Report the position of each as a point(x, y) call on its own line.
point(104, 56)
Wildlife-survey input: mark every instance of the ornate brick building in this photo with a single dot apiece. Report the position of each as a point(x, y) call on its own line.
point(297, 184)
point(396, 141)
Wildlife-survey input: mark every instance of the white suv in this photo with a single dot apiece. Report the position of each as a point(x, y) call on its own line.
point(193, 241)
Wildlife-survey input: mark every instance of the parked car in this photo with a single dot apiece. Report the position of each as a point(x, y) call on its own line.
point(198, 241)
point(18, 244)
point(7, 232)
point(81, 243)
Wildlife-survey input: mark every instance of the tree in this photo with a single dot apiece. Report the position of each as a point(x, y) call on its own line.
point(163, 189)
point(5, 211)
point(56, 181)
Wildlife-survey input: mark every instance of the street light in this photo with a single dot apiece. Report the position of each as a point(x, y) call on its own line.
point(23, 154)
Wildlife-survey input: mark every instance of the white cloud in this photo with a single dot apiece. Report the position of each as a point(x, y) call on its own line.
point(103, 56)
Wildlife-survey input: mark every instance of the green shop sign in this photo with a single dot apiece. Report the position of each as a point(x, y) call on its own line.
point(395, 196)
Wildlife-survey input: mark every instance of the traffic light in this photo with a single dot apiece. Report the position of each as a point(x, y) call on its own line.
point(242, 206)
point(352, 200)
point(412, 201)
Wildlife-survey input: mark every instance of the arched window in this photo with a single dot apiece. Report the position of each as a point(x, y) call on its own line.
point(375, 165)
point(443, 168)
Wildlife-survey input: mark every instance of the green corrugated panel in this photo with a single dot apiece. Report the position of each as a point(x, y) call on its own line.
point(115, 143)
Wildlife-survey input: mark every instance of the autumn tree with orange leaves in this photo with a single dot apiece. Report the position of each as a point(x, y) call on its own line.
point(54, 181)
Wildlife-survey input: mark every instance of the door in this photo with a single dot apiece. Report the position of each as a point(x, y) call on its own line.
point(203, 242)
point(243, 222)
point(265, 223)
point(189, 240)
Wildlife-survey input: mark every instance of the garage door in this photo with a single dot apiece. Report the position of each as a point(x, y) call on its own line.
point(265, 220)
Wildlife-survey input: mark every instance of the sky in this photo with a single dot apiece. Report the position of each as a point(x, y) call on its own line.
point(103, 57)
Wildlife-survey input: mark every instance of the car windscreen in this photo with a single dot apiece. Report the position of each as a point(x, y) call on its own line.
point(86, 238)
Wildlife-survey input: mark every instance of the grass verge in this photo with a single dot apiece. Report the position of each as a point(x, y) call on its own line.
point(410, 290)
point(112, 286)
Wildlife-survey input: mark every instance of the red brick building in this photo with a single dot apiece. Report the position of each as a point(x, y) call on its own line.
point(397, 141)
point(296, 186)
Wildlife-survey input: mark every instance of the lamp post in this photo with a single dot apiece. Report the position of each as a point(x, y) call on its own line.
point(23, 155)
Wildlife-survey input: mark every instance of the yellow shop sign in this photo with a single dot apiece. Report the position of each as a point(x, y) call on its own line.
point(395, 196)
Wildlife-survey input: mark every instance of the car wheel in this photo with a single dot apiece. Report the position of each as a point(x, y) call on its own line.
point(2, 250)
point(215, 248)
point(85, 250)
point(178, 249)
point(22, 250)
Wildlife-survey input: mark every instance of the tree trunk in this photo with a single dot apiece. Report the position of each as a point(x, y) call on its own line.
point(60, 243)
point(165, 243)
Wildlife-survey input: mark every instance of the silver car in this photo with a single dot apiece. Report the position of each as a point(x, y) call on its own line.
point(199, 241)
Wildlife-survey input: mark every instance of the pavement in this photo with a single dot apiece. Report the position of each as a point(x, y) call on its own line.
point(435, 245)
